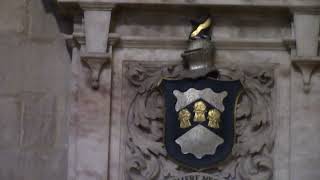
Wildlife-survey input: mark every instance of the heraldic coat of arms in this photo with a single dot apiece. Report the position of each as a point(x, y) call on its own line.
point(200, 112)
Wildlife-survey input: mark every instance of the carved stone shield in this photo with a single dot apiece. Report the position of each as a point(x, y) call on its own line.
point(199, 121)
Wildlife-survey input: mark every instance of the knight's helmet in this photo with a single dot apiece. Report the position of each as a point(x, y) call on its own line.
point(200, 52)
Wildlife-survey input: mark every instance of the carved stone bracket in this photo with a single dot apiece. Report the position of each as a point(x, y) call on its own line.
point(97, 51)
point(306, 66)
point(95, 62)
point(305, 52)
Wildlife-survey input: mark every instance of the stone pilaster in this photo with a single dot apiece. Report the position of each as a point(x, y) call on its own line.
point(91, 94)
point(304, 123)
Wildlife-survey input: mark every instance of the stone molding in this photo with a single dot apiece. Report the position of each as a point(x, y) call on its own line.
point(220, 44)
point(97, 6)
point(305, 10)
point(181, 42)
point(290, 43)
point(265, 3)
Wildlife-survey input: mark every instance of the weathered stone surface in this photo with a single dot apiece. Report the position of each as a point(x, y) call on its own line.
point(12, 16)
point(39, 122)
point(89, 125)
point(173, 22)
point(282, 147)
point(43, 164)
point(10, 120)
point(305, 124)
point(42, 23)
point(307, 33)
point(46, 67)
point(10, 164)
point(11, 64)
point(97, 25)
point(34, 79)
point(33, 164)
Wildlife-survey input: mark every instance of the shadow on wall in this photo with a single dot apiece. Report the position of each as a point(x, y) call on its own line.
point(65, 23)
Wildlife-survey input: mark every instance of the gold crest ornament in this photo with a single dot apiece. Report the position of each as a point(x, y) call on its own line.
point(184, 118)
point(201, 27)
point(199, 110)
point(214, 118)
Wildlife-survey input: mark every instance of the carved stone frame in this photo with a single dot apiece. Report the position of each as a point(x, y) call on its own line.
point(144, 156)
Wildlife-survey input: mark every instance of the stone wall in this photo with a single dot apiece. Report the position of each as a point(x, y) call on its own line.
point(34, 77)
point(56, 127)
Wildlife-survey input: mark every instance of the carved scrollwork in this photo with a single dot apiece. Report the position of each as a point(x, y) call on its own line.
point(255, 131)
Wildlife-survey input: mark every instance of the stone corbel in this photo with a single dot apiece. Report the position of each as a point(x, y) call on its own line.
point(305, 56)
point(96, 61)
point(307, 66)
point(97, 53)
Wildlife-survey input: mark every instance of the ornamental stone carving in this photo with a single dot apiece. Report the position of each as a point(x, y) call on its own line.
point(145, 155)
